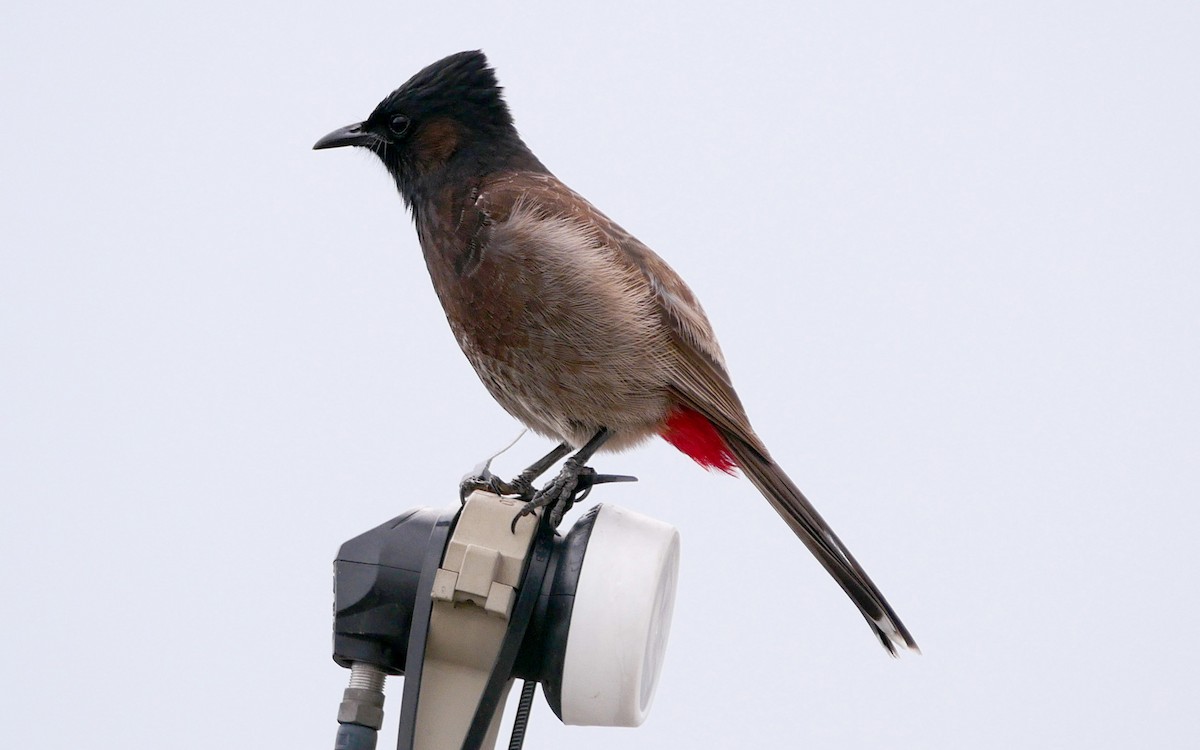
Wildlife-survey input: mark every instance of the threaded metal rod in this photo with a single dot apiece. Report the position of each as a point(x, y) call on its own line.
point(361, 713)
point(366, 677)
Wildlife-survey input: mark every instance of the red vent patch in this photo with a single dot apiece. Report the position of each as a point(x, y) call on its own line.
point(695, 436)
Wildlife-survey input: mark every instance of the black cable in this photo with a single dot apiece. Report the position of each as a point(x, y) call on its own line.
point(528, 688)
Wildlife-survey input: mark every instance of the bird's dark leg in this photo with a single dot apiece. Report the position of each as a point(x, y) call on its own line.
point(560, 492)
point(521, 485)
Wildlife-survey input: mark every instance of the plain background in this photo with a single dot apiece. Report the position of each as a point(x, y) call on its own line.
point(952, 251)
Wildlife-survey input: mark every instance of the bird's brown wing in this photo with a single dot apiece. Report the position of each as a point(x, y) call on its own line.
point(702, 384)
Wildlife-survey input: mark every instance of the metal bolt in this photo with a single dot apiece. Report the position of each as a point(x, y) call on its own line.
point(362, 701)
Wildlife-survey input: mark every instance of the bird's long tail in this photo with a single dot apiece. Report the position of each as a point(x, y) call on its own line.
point(799, 513)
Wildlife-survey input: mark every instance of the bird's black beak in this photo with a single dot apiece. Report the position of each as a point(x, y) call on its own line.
point(351, 135)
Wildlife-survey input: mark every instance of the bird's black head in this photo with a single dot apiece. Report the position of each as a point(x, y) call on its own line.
point(447, 122)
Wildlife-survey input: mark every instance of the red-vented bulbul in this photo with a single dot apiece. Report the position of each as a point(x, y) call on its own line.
point(578, 329)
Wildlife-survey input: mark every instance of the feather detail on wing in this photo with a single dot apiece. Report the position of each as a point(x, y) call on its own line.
point(709, 422)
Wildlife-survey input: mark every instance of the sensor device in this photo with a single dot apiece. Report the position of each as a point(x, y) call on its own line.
point(462, 602)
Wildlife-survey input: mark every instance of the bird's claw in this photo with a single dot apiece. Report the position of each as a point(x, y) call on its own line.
point(572, 485)
point(479, 478)
point(482, 478)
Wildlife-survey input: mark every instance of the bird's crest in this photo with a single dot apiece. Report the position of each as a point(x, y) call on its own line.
point(462, 85)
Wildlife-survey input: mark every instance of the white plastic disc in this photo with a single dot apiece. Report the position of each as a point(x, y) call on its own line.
point(620, 620)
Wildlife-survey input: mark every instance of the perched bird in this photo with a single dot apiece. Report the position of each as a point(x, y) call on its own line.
point(579, 330)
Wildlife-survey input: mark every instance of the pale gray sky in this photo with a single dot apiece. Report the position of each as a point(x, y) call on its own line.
point(952, 252)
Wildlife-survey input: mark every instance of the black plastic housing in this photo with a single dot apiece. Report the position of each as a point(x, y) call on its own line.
point(376, 577)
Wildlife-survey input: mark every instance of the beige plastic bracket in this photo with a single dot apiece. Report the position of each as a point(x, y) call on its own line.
point(473, 595)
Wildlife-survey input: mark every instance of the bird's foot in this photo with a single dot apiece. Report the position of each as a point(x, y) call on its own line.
point(573, 484)
point(558, 494)
point(482, 478)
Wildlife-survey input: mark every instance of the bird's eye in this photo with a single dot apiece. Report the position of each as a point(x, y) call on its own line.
point(398, 124)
